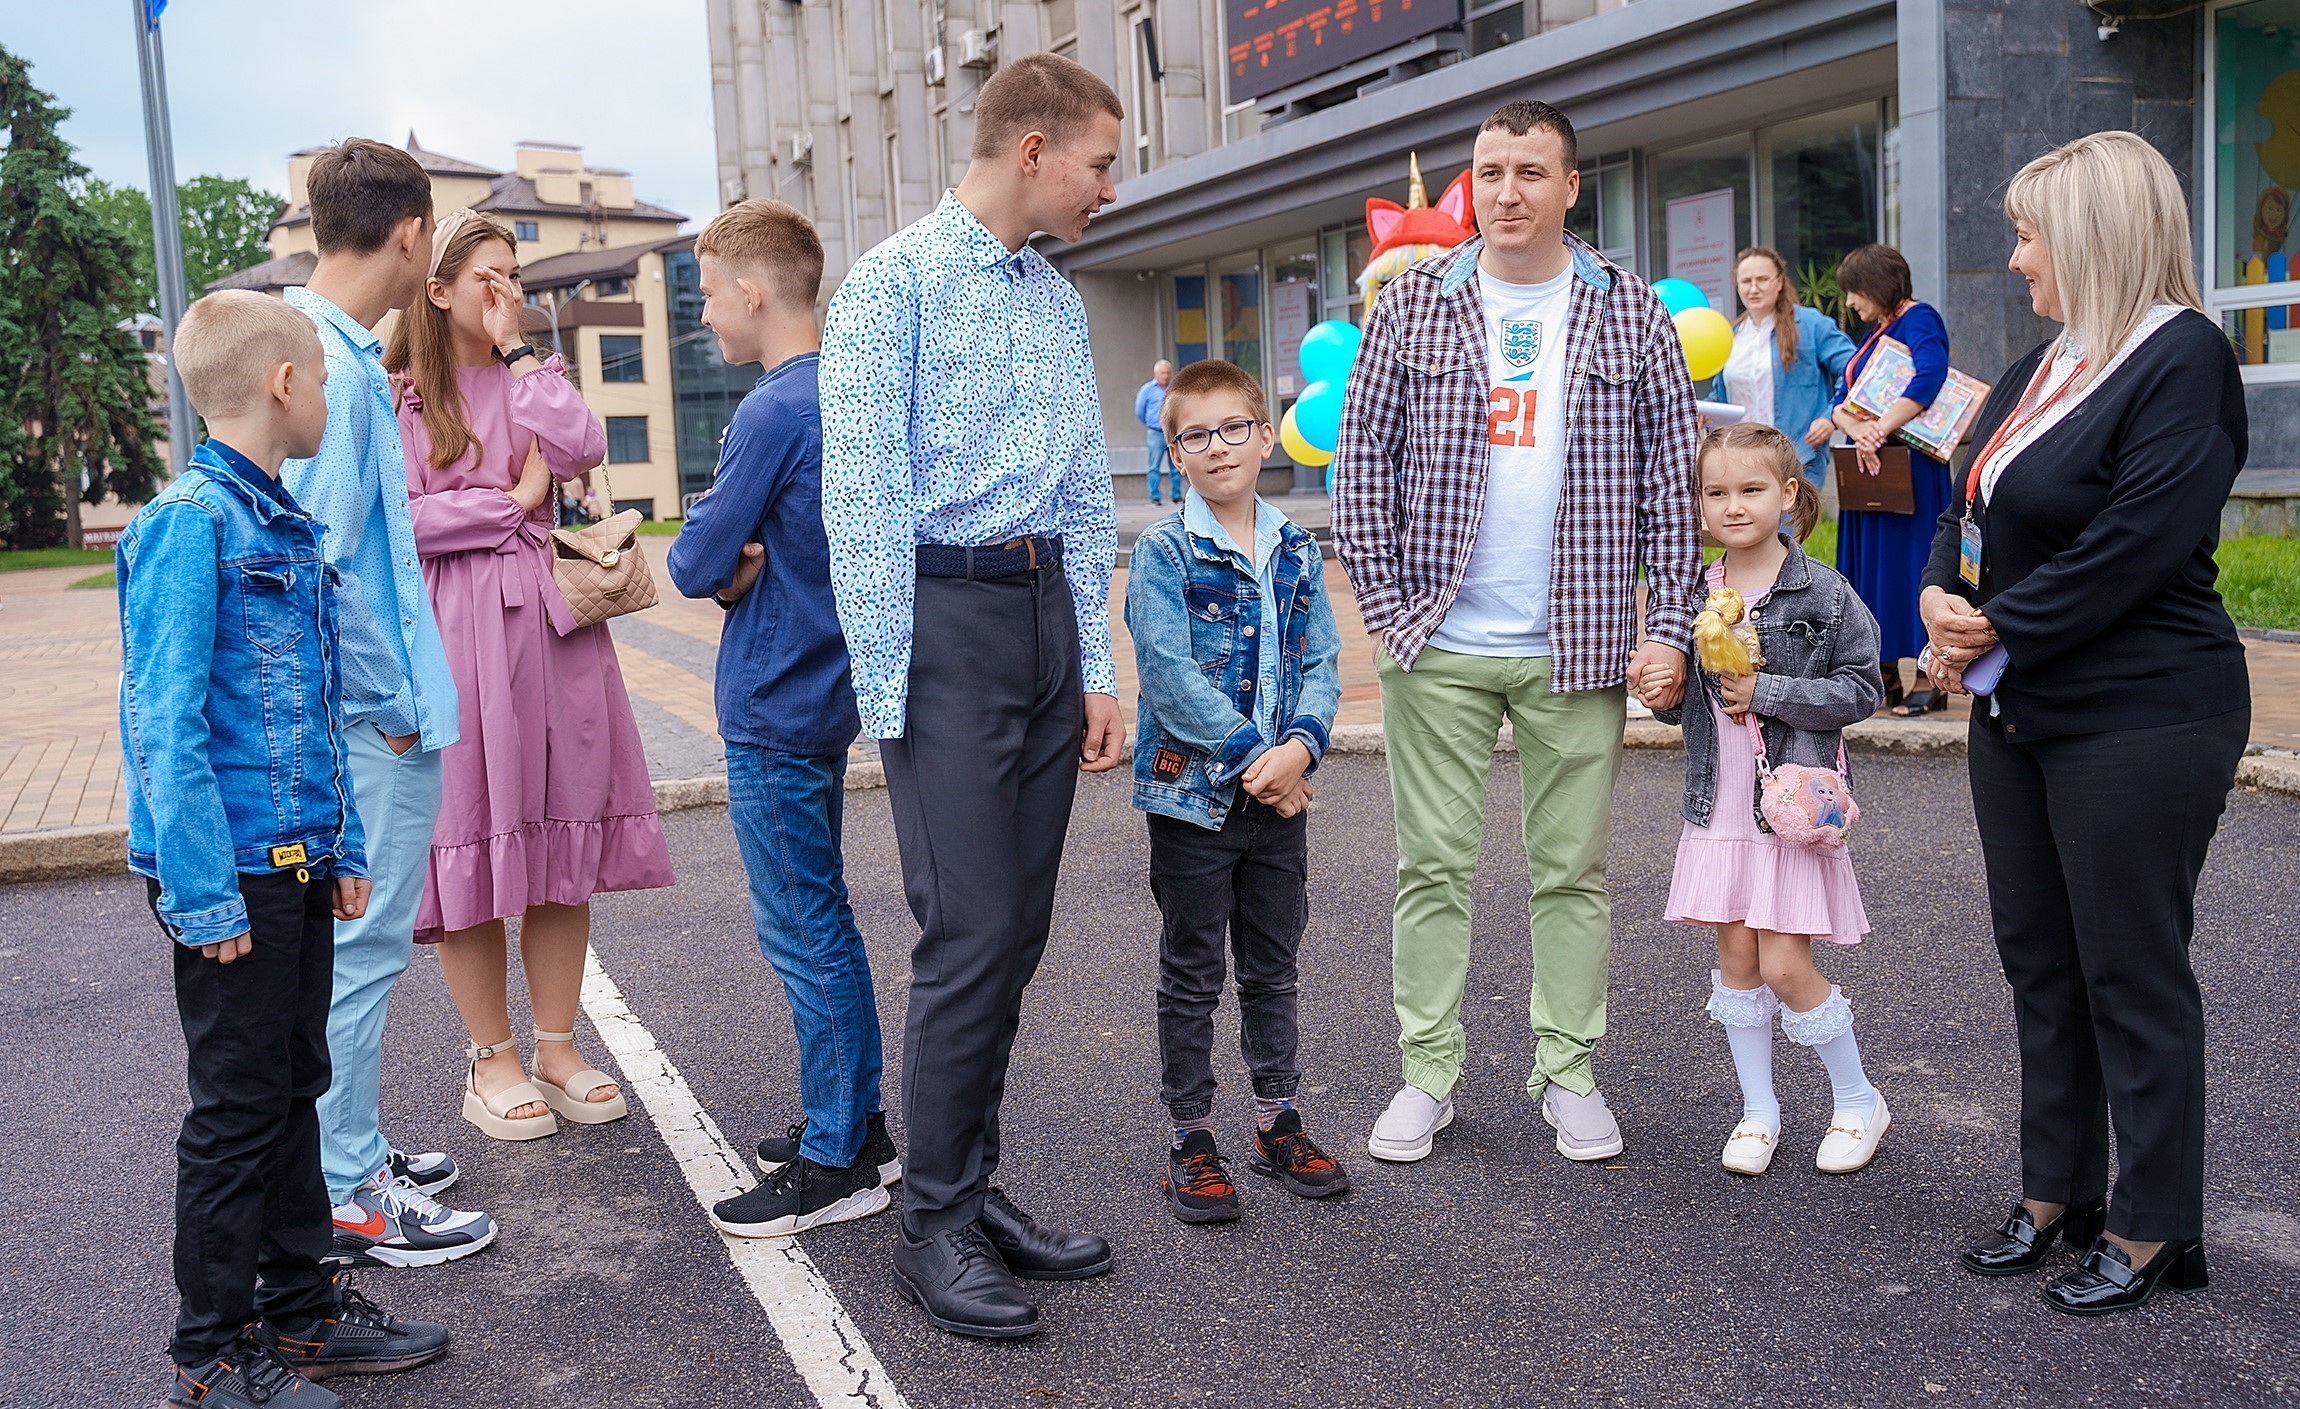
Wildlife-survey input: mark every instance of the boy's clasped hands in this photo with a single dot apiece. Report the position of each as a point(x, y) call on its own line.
point(1276, 778)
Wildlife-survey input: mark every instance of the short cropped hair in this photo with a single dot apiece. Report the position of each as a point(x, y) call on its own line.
point(360, 192)
point(772, 240)
point(1204, 378)
point(1528, 115)
point(1879, 274)
point(228, 344)
point(1039, 93)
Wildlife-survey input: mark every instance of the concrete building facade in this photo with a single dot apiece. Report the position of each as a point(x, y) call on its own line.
point(1257, 129)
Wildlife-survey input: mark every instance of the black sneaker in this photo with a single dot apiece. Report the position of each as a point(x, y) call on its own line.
point(799, 1196)
point(249, 1375)
point(1284, 1153)
point(1196, 1184)
point(430, 1172)
point(361, 1338)
point(878, 1149)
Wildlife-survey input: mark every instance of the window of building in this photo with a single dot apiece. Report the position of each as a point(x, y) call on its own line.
point(1826, 177)
point(1343, 257)
point(1700, 212)
point(1143, 106)
point(1239, 289)
point(1190, 323)
point(1295, 304)
point(525, 229)
point(1491, 26)
point(705, 387)
point(2252, 183)
point(611, 288)
point(1606, 215)
point(621, 358)
point(149, 339)
point(627, 440)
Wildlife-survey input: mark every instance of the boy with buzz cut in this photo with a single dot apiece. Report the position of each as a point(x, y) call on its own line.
point(755, 544)
point(240, 818)
point(1238, 655)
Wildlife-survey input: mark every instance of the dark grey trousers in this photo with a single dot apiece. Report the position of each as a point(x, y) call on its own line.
point(981, 785)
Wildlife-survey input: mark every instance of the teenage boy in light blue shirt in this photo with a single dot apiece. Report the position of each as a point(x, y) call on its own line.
point(371, 216)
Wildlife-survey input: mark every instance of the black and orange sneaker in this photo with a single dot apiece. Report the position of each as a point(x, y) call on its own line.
point(1196, 1184)
point(1284, 1153)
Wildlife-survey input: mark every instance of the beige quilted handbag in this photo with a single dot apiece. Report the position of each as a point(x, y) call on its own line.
point(599, 569)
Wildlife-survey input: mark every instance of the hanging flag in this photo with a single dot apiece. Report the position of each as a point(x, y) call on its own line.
point(152, 12)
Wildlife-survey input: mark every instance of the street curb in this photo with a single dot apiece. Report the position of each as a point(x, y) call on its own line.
point(76, 853)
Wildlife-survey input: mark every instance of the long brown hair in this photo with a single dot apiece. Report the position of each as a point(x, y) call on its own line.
point(423, 346)
point(1779, 454)
point(1784, 303)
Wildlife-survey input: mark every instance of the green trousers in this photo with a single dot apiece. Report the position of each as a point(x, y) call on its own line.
point(1440, 720)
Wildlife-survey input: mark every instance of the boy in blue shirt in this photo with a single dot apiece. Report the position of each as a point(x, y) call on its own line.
point(240, 817)
point(1239, 659)
point(786, 704)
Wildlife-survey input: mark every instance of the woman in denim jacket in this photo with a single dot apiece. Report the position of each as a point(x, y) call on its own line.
point(1770, 900)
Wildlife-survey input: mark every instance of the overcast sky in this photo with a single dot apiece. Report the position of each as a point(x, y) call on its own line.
point(249, 81)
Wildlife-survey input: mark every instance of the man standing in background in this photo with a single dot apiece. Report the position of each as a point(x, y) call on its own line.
point(1149, 404)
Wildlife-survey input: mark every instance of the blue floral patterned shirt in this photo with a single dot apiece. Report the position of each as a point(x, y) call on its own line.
point(959, 406)
point(395, 673)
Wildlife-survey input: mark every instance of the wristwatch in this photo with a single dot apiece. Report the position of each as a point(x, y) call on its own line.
point(525, 349)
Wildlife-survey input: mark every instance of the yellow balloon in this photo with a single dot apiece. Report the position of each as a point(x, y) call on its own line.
point(1708, 341)
point(1303, 453)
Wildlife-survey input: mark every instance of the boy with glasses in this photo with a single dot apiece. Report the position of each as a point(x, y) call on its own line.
point(1238, 655)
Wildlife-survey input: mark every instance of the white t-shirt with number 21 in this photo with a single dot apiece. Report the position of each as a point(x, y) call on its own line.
point(1503, 608)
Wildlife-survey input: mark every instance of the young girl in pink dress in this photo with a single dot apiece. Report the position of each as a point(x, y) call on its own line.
point(547, 796)
point(1770, 900)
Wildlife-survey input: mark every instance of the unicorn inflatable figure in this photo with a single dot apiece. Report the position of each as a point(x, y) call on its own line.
point(1405, 235)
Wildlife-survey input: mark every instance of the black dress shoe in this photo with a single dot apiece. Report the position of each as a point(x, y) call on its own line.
point(2106, 1280)
point(956, 1278)
point(1032, 1250)
point(2020, 1245)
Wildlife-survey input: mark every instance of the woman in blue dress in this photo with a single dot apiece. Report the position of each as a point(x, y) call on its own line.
point(1883, 555)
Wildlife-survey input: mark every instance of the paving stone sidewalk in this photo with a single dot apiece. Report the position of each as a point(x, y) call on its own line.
point(60, 668)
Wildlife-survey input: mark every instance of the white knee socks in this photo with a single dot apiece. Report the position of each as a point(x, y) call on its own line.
point(1746, 1014)
point(1828, 1030)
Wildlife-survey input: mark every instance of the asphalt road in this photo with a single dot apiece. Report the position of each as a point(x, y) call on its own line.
point(1494, 1273)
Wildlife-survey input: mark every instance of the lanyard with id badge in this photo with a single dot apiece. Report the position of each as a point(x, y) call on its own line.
point(2024, 415)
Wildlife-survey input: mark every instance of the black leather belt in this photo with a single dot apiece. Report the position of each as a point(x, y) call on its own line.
point(990, 561)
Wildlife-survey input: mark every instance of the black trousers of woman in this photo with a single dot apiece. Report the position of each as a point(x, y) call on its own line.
point(2093, 843)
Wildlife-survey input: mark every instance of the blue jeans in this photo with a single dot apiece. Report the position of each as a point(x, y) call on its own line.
point(398, 800)
point(1160, 459)
point(787, 811)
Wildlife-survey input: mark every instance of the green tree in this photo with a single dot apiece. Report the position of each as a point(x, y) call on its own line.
point(75, 391)
point(225, 222)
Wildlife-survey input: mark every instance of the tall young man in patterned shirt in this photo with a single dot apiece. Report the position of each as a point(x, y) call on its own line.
point(966, 494)
point(1529, 400)
point(371, 216)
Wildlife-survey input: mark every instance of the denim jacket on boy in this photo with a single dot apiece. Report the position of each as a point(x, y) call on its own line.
point(1194, 607)
point(1820, 674)
point(230, 697)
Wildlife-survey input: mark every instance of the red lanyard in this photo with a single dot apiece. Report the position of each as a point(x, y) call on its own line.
point(1861, 359)
point(2021, 419)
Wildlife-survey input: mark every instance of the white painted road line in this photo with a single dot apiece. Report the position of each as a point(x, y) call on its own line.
point(823, 1341)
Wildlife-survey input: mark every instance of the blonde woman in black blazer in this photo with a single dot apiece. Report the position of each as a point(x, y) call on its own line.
point(2103, 760)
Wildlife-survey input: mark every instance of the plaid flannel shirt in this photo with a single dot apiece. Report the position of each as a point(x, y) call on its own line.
point(1410, 469)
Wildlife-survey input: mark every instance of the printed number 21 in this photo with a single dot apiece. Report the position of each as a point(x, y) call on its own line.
point(1509, 417)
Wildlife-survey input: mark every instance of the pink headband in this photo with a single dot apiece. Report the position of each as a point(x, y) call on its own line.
point(447, 230)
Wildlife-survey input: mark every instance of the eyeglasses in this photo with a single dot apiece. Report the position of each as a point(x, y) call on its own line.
point(1196, 440)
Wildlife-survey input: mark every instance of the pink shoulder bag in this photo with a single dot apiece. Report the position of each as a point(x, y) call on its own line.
point(1805, 806)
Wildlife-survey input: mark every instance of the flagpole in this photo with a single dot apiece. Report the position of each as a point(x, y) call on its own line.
point(167, 225)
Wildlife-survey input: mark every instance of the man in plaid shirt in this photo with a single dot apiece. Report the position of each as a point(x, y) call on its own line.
point(1517, 439)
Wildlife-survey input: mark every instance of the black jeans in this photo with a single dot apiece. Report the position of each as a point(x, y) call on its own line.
point(981, 785)
point(2093, 844)
point(250, 1199)
point(1249, 882)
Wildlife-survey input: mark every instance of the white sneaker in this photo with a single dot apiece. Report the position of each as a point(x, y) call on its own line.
point(1410, 1126)
point(1586, 1129)
point(1852, 1142)
point(1749, 1149)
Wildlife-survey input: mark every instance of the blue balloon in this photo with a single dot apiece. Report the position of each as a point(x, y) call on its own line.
point(1318, 415)
point(1329, 351)
point(1677, 295)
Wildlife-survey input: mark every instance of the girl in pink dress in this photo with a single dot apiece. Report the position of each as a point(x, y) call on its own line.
point(547, 796)
point(1814, 672)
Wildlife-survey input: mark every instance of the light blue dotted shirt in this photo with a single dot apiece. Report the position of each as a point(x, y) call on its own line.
point(959, 406)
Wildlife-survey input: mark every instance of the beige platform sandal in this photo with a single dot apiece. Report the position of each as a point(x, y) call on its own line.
point(572, 1101)
point(492, 1113)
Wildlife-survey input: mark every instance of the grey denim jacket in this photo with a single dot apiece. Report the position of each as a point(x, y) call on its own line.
point(1820, 674)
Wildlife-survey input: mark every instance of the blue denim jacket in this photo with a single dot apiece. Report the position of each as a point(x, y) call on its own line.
point(1195, 611)
point(230, 694)
point(1809, 388)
